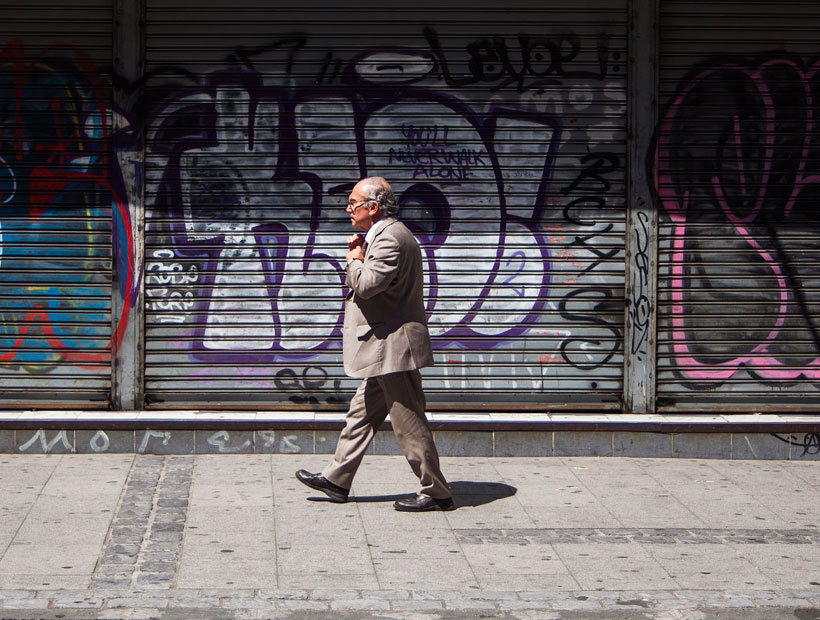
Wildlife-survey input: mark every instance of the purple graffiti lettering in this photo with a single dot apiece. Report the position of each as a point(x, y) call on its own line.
point(271, 290)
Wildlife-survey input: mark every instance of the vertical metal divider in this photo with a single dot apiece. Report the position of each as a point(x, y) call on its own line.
point(642, 216)
point(128, 205)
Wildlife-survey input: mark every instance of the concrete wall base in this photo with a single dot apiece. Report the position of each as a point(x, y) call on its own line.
point(797, 444)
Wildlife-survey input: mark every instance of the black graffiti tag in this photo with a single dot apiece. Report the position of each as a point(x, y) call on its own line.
point(810, 442)
point(542, 60)
point(310, 386)
point(583, 242)
point(592, 179)
point(589, 351)
point(573, 347)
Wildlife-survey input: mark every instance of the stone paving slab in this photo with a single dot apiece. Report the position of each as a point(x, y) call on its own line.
point(235, 536)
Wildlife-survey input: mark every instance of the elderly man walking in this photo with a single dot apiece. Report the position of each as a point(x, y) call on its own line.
point(385, 343)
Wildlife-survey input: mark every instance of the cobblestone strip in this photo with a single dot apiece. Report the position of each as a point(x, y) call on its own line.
point(130, 524)
point(643, 535)
point(162, 545)
point(145, 540)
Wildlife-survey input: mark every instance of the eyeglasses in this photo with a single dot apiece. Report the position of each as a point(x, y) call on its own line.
point(351, 204)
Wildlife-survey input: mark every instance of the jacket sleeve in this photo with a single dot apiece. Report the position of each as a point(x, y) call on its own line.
point(371, 277)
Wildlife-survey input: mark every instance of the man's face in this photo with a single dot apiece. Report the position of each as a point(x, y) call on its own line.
point(358, 208)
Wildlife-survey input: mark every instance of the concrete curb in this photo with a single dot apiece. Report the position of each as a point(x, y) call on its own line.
point(172, 419)
point(114, 603)
point(754, 436)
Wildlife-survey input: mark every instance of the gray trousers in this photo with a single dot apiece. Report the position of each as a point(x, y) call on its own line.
point(399, 394)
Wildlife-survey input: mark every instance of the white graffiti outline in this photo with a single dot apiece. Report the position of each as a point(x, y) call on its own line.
point(47, 445)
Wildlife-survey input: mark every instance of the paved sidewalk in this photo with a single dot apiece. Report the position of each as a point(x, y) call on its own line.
point(236, 536)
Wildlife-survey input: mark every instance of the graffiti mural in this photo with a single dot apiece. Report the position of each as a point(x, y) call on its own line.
point(59, 209)
point(737, 168)
point(516, 201)
point(506, 152)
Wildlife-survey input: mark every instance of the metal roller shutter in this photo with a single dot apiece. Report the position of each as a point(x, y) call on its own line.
point(56, 195)
point(737, 179)
point(502, 131)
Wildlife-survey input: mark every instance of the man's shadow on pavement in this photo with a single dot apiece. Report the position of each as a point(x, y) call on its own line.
point(464, 494)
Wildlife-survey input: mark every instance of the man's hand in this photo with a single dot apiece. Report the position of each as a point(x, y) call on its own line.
point(355, 254)
point(355, 241)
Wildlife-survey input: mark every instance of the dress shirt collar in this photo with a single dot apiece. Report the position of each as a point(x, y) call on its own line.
point(368, 238)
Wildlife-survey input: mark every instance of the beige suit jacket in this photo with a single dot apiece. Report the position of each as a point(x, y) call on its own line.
point(385, 327)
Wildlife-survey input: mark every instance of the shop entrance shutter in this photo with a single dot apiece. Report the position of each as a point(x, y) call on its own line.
point(55, 203)
point(502, 130)
point(737, 177)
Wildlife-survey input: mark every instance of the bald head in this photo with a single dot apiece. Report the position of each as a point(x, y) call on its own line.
point(378, 189)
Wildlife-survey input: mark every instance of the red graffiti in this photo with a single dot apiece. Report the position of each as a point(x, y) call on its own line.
point(55, 141)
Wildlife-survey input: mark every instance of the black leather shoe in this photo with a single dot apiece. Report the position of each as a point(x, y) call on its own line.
point(421, 503)
point(320, 483)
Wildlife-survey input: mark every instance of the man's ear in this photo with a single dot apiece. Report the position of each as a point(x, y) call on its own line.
point(374, 208)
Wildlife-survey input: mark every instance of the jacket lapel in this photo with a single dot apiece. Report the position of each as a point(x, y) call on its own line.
point(388, 221)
